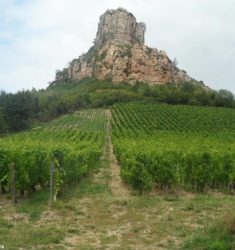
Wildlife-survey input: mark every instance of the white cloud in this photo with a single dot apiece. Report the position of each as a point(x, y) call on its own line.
point(39, 36)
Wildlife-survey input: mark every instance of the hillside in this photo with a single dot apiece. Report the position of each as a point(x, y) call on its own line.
point(123, 150)
point(174, 147)
point(119, 54)
point(119, 67)
point(95, 209)
point(21, 110)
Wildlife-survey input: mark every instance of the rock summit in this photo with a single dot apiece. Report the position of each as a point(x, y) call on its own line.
point(120, 54)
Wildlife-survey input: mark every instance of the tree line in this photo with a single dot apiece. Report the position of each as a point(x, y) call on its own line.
point(20, 110)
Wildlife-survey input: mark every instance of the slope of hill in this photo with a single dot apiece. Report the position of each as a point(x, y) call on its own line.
point(18, 111)
point(129, 172)
point(100, 212)
point(175, 147)
point(72, 143)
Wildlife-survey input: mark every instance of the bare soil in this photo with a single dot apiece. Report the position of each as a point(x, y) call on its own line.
point(118, 188)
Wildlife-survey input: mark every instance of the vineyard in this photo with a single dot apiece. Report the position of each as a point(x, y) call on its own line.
point(157, 147)
point(164, 146)
point(175, 147)
point(73, 144)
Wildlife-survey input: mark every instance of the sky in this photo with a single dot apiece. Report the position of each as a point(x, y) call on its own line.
point(37, 37)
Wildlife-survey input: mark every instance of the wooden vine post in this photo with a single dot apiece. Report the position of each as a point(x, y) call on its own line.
point(52, 184)
point(13, 184)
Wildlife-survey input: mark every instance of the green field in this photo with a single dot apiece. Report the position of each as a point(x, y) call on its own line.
point(175, 147)
point(74, 143)
point(181, 159)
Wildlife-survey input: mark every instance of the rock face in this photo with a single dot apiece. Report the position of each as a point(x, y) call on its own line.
point(119, 54)
point(120, 26)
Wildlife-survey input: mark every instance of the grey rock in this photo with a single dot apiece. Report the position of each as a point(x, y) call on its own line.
point(119, 54)
point(119, 25)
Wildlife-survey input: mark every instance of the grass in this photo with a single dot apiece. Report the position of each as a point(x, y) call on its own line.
point(219, 236)
point(136, 222)
point(86, 188)
point(89, 217)
point(27, 236)
point(34, 205)
point(4, 224)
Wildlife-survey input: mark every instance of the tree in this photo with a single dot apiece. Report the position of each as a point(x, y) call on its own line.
point(224, 98)
point(3, 124)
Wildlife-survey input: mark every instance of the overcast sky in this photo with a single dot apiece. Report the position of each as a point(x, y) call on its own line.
point(39, 36)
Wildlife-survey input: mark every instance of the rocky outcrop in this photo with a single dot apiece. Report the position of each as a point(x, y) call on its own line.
point(119, 54)
point(120, 26)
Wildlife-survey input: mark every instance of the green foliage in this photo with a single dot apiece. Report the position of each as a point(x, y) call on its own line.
point(3, 124)
point(16, 109)
point(219, 236)
point(136, 174)
point(175, 147)
point(64, 96)
point(73, 142)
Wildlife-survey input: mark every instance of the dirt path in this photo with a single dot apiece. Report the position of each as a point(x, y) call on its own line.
point(118, 188)
point(101, 213)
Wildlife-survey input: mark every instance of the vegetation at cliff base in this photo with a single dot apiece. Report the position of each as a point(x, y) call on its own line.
point(136, 167)
point(21, 110)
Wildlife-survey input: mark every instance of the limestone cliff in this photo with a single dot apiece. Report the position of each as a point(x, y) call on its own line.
point(119, 54)
point(120, 26)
